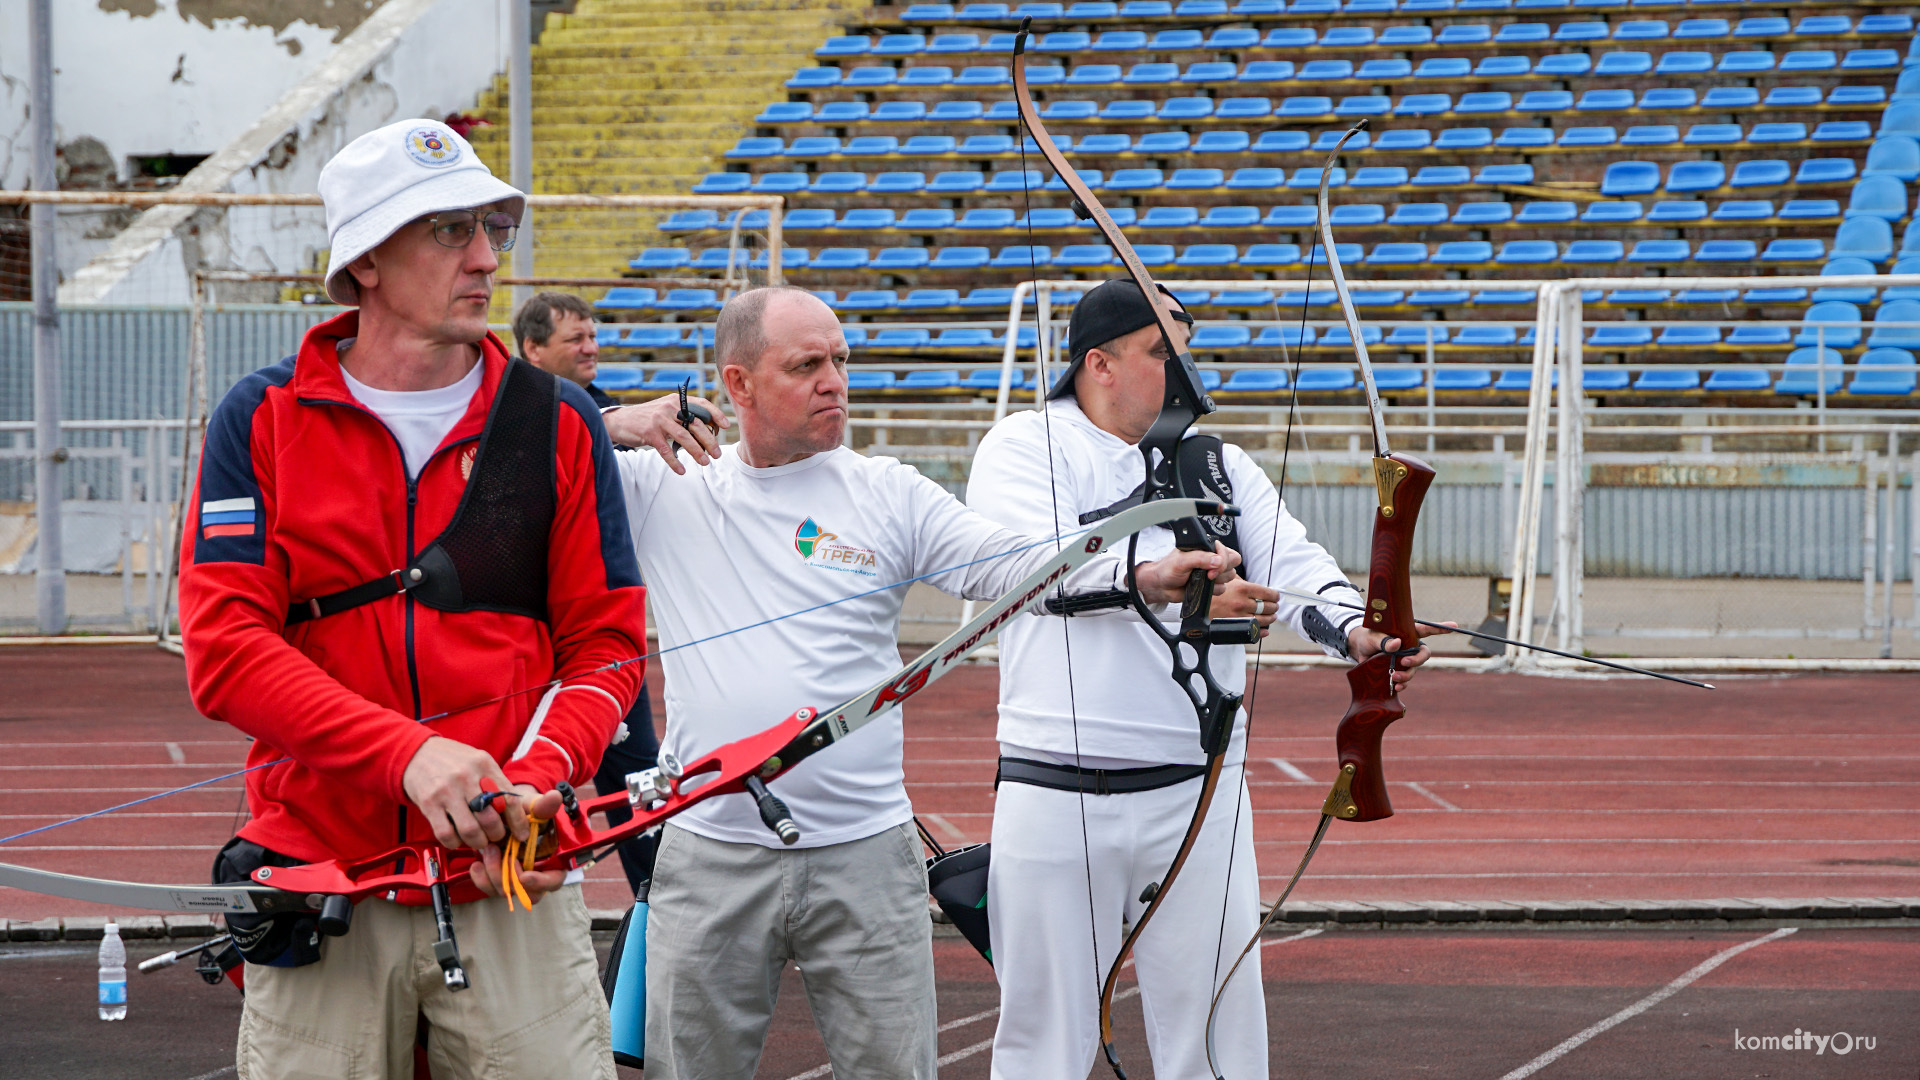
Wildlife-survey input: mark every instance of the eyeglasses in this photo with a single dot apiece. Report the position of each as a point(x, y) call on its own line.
point(454, 228)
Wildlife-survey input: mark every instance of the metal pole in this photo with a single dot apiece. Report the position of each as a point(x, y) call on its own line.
point(51, 581)
point(520, 133)
point(1886, 551)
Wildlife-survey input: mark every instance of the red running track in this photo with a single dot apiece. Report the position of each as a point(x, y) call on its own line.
point(1507, 787)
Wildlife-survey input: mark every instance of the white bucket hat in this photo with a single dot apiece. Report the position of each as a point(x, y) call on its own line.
point(396, 174)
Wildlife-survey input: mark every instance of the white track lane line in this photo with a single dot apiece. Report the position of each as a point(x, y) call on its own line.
point(1573, 1042)
point(1437, 800)
point(968, 1051)
point(175, 754)
point(1293, 772)
point(952, 831)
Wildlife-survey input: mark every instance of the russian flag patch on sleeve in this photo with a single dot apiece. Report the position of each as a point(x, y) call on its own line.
point(226, 517)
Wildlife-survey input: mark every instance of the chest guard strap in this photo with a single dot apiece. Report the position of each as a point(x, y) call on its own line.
point(492, 556)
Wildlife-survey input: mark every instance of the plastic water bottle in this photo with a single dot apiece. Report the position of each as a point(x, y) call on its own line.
point(113, 975)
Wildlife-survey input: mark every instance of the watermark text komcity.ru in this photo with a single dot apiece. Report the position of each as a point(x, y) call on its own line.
point(1839, 1042)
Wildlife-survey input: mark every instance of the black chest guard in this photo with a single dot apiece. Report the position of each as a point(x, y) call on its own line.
point(493, 555)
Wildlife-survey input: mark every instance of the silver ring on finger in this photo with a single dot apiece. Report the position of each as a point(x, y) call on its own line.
point(1259, 607)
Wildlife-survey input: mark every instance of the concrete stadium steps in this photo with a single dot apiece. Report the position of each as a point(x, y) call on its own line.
point(644, 97)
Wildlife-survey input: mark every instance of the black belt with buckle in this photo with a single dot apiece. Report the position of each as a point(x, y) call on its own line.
point(1046, 774)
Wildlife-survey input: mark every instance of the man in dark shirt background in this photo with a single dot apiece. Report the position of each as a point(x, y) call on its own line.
point(554, 331)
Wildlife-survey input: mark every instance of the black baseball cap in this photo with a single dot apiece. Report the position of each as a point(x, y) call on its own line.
point(1111, 309)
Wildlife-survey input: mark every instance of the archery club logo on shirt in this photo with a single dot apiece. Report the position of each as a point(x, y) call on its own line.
point(817, 547)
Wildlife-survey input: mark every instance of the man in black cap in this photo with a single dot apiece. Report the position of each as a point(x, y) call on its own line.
point(1110, 706)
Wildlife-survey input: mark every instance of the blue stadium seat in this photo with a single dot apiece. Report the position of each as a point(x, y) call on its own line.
point(1824, 171)
point(868, 300)
point(1516, 138)
point(1660, 252)
point(1668, 380)
point(1793, 97)
point(1885, 24)
point(1896, 156)
point(1396, 254)
point(1856, 96)
point(1762, 27)
point(1671, 211)
point(1688, 337)
point(1809, 60)
point(1620, 336)
point(1713, 135)
point(1730, 97)
point(1325, 70)
point(1581, 31)
point(816, 78)
point(1605, 101)
point(1651, 135)
point(1382, 70)
point(1457, 378)
point(1870, 60)
point(930, 380)
point(1267, 256)
point(1444, 67)
point(1255, 381)
point(1620, 64)
point(1483, 214)
point(1544, 101)
point(626, 298)
point(1376, 176)
point(1794, 249)
point(1561, 66)
point(1702, 29)
point(1846, 266)
point(1261, 71)
point(930, 299)
point(1908, 264)
point(1734, 380)
point(1737, 210)
point(1358, 215)
point(1683, 63)
point(1442, 176)
point(1587, 138)
point(1630, 178)
point(1832, 131)
point(1309, 179)
point(1423, 105)
point(1210, 71)
point(1325, 379)
point(1726, 251)
point(1216, 337)
point(1594, 251)
point(1818, 328)
point(1758, 173)
point(1791, 132)
point(1472, 138)
point(1879, 196)
point(1745, 63)
point(1546, 213)
point(1884, 371)
point(1896, 311)
point(1502, 67)
point(900, 258)
point(1527, 252)
point(1805, 370)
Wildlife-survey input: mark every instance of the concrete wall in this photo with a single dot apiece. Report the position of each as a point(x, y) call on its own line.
point(269, 89)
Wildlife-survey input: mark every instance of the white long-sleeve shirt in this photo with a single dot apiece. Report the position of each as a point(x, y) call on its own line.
point(1122, 705)
point(729, 545)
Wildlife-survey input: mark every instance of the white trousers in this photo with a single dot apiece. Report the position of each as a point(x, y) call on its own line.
point(1044, 925)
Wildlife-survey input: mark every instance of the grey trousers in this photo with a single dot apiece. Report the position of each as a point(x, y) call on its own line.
point(723, 922)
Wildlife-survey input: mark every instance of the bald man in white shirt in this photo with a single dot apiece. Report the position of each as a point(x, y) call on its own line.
point(791, 529)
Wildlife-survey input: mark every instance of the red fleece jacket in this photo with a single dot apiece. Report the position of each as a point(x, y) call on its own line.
point(302, 492)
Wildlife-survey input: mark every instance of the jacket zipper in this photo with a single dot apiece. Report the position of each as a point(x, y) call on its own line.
point(413, 498)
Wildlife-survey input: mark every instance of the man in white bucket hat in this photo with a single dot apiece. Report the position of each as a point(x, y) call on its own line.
point(383, 701)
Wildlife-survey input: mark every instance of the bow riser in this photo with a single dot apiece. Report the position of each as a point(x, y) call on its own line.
point(1360, 793)
point(1401, 483)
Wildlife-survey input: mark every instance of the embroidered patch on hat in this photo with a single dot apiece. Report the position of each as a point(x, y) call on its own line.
point(431, 147)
